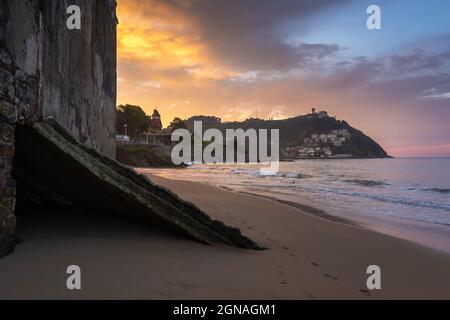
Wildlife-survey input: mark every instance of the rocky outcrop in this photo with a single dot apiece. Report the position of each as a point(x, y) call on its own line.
point(145, 156)
point(63, 172)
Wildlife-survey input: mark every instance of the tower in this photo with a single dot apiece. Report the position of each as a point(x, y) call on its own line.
point(155, 123)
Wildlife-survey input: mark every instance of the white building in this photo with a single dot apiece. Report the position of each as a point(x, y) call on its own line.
point(122, 138)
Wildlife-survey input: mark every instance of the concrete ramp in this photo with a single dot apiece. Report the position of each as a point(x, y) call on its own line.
point(52, 168)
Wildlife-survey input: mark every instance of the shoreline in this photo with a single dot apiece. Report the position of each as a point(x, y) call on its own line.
point(308, 257)
point(328, 220)
point(305, 209)
point(313, 212)
point(407, 209)
point(318, 213)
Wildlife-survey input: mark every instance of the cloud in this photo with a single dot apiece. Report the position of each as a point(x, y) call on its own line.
point(419, 60)
point(216, 39)
point(151, 84)
point(230, 58)
point(173, 50)
point(438, 96)
point(249, 35)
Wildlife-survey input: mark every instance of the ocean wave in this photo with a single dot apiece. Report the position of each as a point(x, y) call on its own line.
point(442, 219)
point(259, 174)
point(368, 183)
point(395, 200)
point(294, 175)
point(251, 172)
point(438, 190)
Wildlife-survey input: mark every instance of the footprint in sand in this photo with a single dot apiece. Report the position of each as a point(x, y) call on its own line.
point(309, 295)
point(365, 292)
point(315, 264)
point(283, 278)
point(330, 276)
point(185, 286)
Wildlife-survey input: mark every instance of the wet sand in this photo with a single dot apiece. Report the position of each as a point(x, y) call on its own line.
point(308, 257)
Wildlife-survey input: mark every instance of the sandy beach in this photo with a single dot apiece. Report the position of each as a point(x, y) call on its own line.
point(308, 257)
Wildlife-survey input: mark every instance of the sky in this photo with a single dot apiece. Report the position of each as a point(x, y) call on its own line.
point(237, 59)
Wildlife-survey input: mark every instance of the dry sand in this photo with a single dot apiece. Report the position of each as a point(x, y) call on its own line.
point(308, 257)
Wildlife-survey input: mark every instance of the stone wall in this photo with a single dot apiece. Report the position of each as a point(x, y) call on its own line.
point(18, 93)
point(47, 70)
point(7, 121)
point(79, 71)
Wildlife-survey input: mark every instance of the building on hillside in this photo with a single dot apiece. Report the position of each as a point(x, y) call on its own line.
point(157, 136)
point(322, 114)
point(317, 114)
point(155, 124)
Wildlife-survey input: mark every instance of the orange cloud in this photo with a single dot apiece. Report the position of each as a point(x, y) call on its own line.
point(162, 62)
point(190, 57)
point(164, 41)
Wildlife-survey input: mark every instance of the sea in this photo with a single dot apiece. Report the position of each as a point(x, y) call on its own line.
point(407, 198)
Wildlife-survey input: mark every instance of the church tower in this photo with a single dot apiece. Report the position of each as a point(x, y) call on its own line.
point(155, 123)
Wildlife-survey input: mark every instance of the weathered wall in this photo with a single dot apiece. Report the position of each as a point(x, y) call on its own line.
point(79, 71)
point(19, 27)
point(47, 70)
point(7, 120)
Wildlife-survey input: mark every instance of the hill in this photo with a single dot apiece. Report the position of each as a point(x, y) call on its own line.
point(311, 136)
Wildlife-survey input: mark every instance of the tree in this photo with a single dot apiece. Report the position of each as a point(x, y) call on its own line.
point(134, 118)
point(177, 123)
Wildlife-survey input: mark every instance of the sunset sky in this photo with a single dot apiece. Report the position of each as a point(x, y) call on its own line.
point(229, 58)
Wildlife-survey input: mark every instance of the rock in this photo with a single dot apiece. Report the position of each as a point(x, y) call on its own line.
point(145, 156)
point(62, 168)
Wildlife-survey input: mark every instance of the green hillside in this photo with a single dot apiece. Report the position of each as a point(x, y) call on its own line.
point(309, 136)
